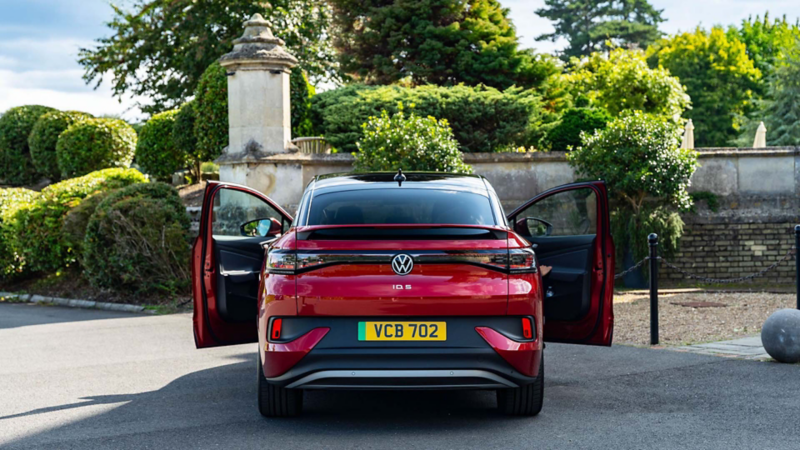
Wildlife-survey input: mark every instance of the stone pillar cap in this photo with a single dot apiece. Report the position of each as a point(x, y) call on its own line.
point(258, 46)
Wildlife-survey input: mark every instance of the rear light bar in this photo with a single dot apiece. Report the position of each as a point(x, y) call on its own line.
point(510, 261)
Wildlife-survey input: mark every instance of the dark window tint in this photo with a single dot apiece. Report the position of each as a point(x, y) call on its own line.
point(401, 206)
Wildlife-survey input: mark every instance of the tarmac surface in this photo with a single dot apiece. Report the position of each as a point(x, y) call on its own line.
point(82, 379)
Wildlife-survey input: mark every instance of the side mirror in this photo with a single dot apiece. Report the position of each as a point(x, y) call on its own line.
point(531, 226)
point(262, 228)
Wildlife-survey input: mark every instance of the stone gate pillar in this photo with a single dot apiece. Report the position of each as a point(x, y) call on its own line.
point(259, 110)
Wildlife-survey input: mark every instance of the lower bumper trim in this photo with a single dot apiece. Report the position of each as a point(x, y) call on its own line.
point(401, 379)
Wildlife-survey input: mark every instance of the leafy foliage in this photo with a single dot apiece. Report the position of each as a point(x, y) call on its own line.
point(719, 77)
point(44, 137)
point(443, 42)
point(11, 200)
point(647, 175)
point(73, 228)
point(159, 49)
point(301, 94)
point(765, 42)
point(623, 82)
point(780, 111)
point(156, 151)
point(184, 138)
point(95, 144)
point(138, 239)
point(567, 134)
point(482, 119)
point(33, 227)
point(631, 231)
point(410, 143)
point(16, 124)
point(587, 24)
point(211, 113)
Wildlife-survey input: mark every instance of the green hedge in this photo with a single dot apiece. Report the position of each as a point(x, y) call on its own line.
point(156, 151)
point(184, 137)
point(44, 137)
point(16, 167)
point(408, 142)
point(567, 133)
point(301, 93)
point(211, 110)
point(138, 239)
point(33, 230)
point(483, 119)
point(11, 200)
point(95, 144)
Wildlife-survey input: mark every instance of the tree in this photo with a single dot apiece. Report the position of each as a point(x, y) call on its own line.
point(719, 77)
point(623, 82)
point(647, 175)
point(781, 110)
point(765, 41)
point(443, 42)
point(160, 48)
point(587, 24)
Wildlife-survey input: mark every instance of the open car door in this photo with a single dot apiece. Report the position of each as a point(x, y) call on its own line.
point(227, 259)
point(568, 228)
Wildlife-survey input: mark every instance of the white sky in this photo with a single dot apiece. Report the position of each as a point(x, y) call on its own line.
point(39, 42)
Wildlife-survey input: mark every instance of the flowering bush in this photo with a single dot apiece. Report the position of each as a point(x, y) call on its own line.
point(410, 143)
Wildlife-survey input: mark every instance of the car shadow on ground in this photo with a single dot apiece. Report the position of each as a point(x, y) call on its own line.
point(226, 395)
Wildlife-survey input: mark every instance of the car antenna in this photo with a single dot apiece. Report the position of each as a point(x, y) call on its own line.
point(400, 177)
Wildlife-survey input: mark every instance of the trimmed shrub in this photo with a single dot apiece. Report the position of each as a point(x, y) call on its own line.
point(73, 229)
point(482, 119)
point(95, 144)
point(16, 124)
point(410, 143)
point(301, 92)
point(184, 138)
point(44, 137)
point(567, 134)
point(138, 239)
point(33, 230)
point(156, 151)
point(211, 112)
point(11, 200)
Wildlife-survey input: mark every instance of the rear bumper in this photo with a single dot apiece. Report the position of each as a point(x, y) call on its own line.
point(467, 360)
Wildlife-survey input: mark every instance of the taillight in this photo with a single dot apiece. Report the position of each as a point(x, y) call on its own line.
point(522, 260)
point(281, 262)
point(527, 328)
point(275, 333)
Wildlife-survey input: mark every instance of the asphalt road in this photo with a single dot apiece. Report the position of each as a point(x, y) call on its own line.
point(83, 379)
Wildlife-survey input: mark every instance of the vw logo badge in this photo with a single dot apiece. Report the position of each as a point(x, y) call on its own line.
point(402, 264)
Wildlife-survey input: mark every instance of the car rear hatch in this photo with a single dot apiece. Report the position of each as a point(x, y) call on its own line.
point(348, 270)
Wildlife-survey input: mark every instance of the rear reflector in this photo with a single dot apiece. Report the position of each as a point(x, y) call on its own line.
point(527, 328)
point(275, 334)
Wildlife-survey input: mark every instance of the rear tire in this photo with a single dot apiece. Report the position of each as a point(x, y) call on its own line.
point(275, 401)
point(525, 400)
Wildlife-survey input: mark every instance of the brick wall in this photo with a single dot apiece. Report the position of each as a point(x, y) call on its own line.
point(729, 250)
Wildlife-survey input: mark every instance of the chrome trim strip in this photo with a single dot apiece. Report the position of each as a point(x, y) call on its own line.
point(388, 374)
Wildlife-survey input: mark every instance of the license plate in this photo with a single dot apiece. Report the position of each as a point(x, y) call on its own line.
point(402, 331)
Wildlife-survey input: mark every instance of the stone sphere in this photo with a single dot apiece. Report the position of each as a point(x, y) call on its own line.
point(781, 335)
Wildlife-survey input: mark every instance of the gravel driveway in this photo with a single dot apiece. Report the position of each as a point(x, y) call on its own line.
point(740, 315)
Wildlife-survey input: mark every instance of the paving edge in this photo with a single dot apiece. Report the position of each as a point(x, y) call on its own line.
point(73, 303)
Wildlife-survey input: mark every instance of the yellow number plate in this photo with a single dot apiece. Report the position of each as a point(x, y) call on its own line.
point(402, 331)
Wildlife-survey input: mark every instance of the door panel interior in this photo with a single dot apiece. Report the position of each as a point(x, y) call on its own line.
point(567, 288)
point(226, 262)
point(240, 261)
point(568, 227)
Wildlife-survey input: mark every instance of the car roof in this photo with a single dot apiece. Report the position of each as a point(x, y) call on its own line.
point(386, 180)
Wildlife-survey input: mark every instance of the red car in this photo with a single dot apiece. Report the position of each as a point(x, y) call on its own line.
point(402, 281)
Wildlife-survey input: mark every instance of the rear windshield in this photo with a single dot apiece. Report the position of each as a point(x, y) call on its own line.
point(401, 206)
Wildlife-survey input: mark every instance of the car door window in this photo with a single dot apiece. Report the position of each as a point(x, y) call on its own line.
point(568, 213)
point(233, 208)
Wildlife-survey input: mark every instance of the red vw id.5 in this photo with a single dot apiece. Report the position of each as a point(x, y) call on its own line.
point(402, 281)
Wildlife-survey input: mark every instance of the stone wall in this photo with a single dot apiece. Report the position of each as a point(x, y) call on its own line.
point(729, 250)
